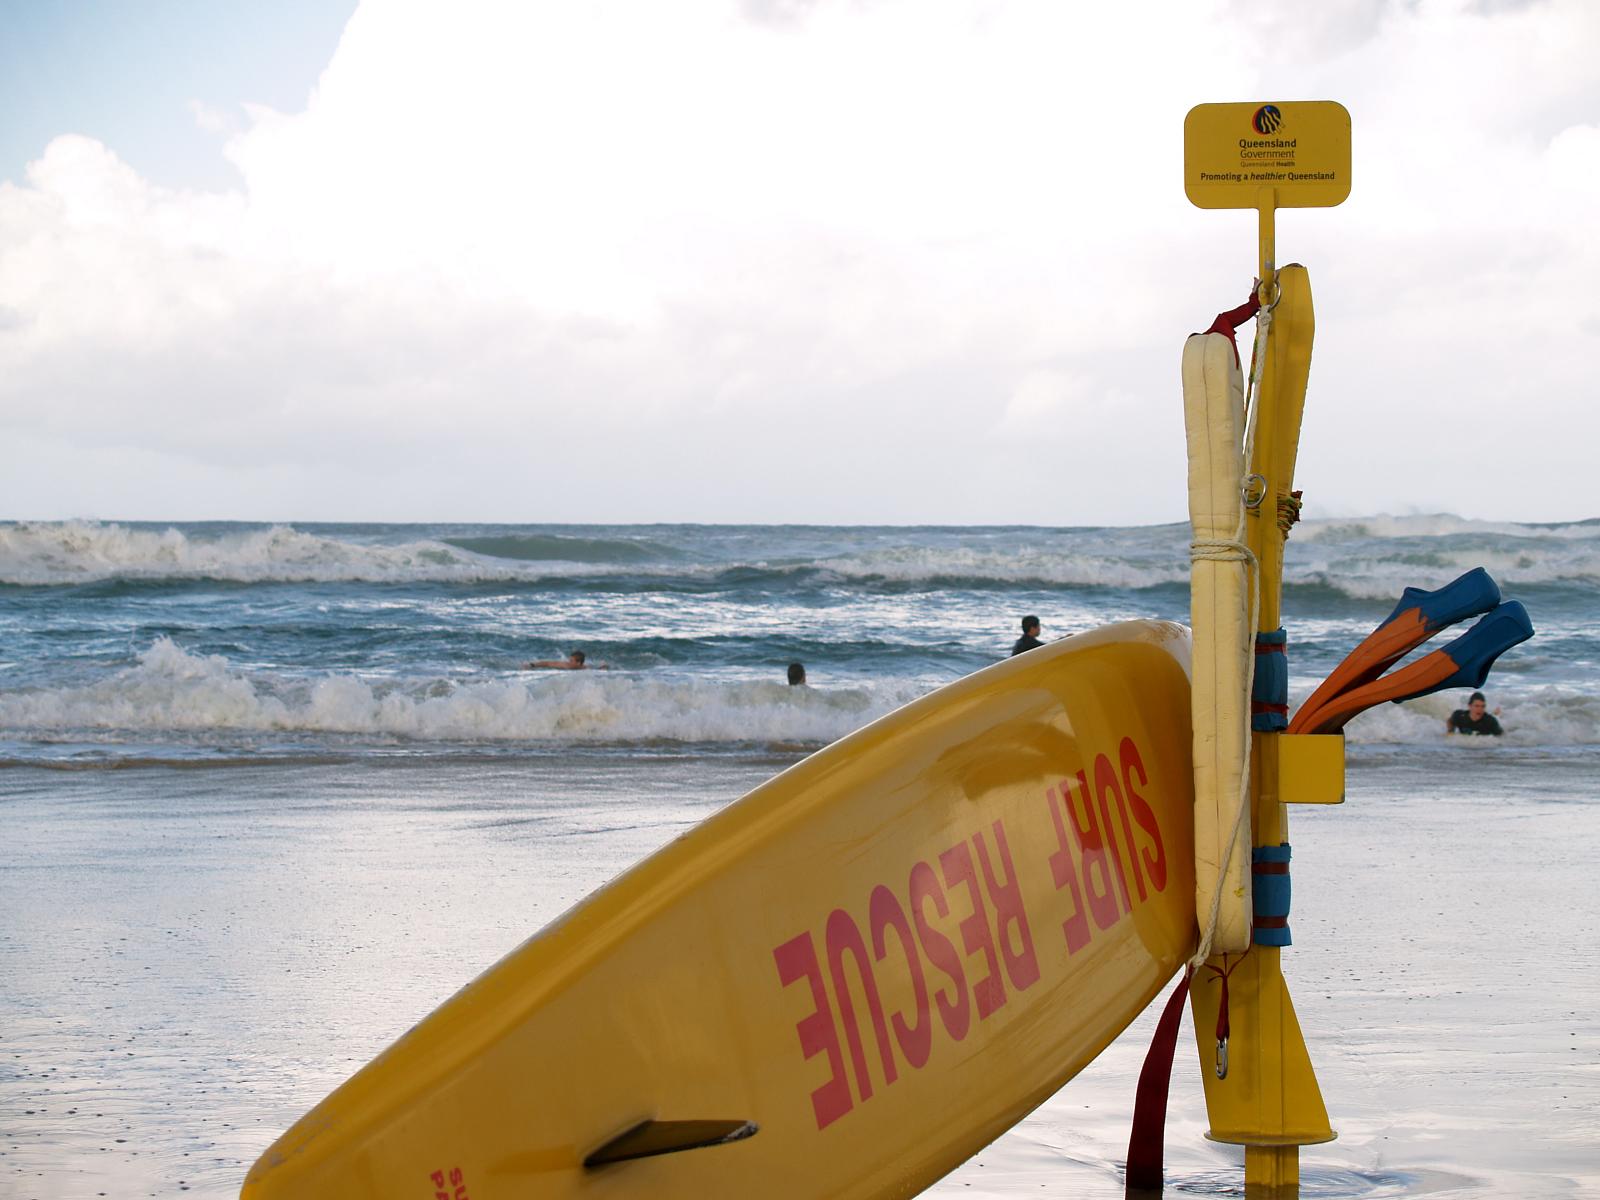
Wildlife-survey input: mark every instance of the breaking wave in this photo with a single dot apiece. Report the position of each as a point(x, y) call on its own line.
point(1441, 525)
point(552, 547)
point(1541, 716)
point(1029, 566)
point(75, 552)
point(1368, 559)
point(1375, 557)
point(169, 690)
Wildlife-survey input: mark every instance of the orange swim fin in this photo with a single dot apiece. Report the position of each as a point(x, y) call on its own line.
point(1465, 662)
point(1419, 615)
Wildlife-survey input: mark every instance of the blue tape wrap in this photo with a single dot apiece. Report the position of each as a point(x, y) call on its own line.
point(1269, 691)
point(1269, 871)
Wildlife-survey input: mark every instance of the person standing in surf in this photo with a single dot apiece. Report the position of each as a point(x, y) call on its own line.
point(1030, 636)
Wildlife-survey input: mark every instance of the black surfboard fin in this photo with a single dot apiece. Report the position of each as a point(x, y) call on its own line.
point(649, 1138)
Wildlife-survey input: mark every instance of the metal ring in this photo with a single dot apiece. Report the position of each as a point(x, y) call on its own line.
point(1277, 294)
point(1252, 482)
point(1222, 1058)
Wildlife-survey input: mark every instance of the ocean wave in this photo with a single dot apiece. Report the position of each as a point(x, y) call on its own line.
point(172, 690)
point(34, 553)
point(1378, 574)
point(1434, 525)
point(553, 547)
point(79, 552)
point(1023, 566)
point(1539, 716)
point(1370, 559)
point(1374, 558)
point(57, 553)
point(1377, 579)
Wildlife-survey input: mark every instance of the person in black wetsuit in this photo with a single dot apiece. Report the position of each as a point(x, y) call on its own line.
point(1473, 718)
point(1030, 636)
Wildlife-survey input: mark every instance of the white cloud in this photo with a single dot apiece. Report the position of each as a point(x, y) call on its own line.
point(832, 261)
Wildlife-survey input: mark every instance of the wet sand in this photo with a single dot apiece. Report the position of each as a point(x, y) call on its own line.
point(192, 958)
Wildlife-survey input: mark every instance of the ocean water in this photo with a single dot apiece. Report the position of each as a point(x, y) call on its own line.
point(129, 643)
point(272, 793)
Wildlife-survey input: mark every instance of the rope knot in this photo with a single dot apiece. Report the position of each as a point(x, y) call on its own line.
point(1220, 550)
point(1288, 511)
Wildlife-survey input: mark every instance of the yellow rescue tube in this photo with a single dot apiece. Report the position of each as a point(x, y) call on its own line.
point(1223, 656)
point(864, 971)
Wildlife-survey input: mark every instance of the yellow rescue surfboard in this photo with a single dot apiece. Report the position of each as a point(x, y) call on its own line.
point(844, 984)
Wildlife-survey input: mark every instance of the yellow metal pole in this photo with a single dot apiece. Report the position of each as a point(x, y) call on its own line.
point(1266, 209)
point(1291, 1109)
point(1268, 1170)
point(1266, 1097)
point(1263, 1093)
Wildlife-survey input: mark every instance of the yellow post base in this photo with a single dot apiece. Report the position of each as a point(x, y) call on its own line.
point(1269, 1096)
point(1271, 1172)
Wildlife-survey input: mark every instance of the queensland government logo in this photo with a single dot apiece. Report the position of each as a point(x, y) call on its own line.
point(1267, 119)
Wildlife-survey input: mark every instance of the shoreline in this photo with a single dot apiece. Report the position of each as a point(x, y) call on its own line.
point(196, 958)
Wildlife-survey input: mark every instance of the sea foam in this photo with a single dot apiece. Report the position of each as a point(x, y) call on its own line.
point(170, 689)
point(1372, 558)
point(74, 552)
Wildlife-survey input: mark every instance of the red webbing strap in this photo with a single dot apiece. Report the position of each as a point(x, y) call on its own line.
point(1227, 322)
point(1146, 1144)
point(1224, 1026)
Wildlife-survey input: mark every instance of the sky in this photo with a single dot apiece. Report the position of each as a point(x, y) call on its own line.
point(835, 261)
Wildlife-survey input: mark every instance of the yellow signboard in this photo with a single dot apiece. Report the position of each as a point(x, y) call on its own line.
point(1300, 149)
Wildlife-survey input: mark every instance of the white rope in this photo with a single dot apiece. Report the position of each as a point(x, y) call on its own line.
point(1258, 366)
point(1235, 550)
point(1220, 550)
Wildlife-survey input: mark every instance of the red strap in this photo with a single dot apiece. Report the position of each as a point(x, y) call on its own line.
point(1147, 1141)
point(1227, 322)
point(1224, 1027)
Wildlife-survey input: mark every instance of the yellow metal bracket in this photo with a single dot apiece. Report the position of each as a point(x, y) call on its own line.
point(1311, 768)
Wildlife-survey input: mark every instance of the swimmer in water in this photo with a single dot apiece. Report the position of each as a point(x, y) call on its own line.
point(1474, 719)
point(576, 661)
